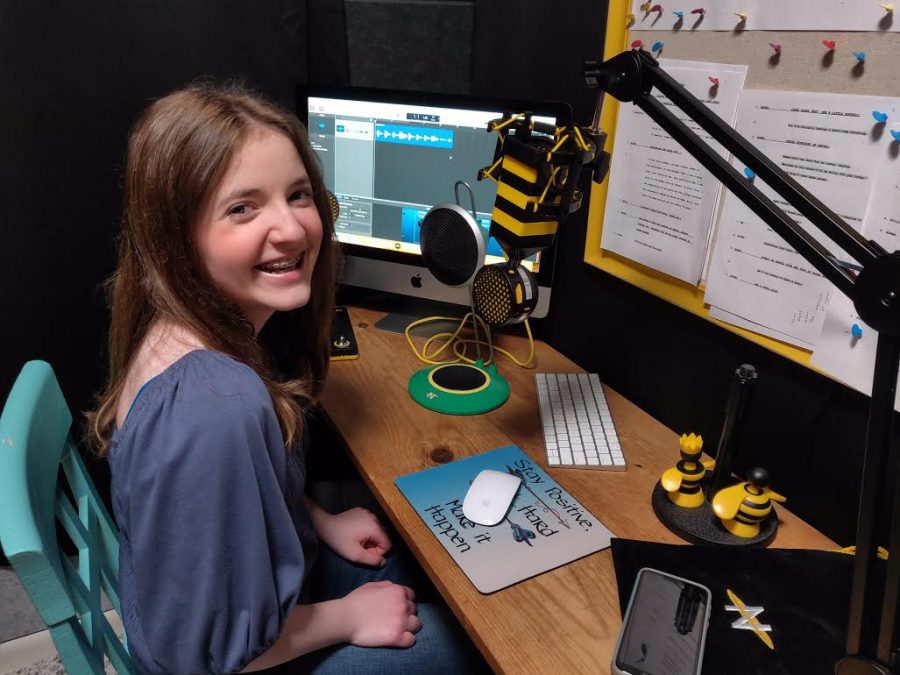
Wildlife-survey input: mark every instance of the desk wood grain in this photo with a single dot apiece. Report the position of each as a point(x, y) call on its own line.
point(565, 620)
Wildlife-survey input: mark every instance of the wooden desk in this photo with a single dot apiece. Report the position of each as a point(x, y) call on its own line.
point(563, 621)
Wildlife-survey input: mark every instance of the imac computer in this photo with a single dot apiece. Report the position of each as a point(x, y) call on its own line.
point(389, 157)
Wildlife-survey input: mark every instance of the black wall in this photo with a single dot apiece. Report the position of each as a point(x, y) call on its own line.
point(75, 76)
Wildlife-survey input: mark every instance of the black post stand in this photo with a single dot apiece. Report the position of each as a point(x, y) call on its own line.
point(726, 456)
point(701, 525)
point(865, 600)
point(872, 624)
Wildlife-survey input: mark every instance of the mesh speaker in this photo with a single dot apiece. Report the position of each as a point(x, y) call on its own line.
point(452, 244)
point(504, 295)
point(333, 206)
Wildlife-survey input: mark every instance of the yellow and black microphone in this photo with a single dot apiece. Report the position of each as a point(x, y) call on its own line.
point(536, 167)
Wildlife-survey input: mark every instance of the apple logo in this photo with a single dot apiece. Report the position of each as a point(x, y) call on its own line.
point(416, 281)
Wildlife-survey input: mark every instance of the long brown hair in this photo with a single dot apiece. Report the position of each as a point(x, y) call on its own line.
point(178, 153)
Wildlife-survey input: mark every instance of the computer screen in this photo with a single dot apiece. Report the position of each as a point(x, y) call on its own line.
point(389, 157)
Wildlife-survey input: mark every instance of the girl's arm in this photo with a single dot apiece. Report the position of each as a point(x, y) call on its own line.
point(355, 535)
point(377, 614)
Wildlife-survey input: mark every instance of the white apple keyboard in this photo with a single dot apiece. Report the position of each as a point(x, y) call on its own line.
point(578, 427)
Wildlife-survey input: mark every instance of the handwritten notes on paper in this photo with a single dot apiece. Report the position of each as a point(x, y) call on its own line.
point(661, 202)
point(845, 353)
point(828, 143)
point(846, 348)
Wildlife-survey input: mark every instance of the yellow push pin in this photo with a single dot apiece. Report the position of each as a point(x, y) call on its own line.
point(888, 7)
point(742, 15)
point(645, 7)
point(629, 19)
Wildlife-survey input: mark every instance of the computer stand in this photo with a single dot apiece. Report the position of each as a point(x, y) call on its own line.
point(401, 310)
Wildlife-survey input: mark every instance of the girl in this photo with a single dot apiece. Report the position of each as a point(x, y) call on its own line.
point(221, 308)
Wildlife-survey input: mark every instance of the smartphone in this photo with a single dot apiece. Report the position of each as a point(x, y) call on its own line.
point(343, 341)
point(664, 629)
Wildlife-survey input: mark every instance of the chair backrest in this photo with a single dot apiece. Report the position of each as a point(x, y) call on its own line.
point(34, 497)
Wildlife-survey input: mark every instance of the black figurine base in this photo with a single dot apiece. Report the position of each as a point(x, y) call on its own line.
point(702, 526)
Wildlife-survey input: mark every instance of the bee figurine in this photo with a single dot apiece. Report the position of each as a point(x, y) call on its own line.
point(742, 507)
point(682, 481)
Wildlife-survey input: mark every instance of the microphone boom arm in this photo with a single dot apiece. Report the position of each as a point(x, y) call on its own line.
point(875, 292)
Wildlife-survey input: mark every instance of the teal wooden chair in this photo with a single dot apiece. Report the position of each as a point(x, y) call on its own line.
point(34, 496)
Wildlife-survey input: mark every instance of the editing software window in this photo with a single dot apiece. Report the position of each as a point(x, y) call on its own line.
point(389, 163)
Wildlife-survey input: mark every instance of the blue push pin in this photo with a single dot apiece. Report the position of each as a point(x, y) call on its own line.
point(856, 332)
point(895, 134)
point(750, 173)
point(657, 47)
point(880, 117)
point(860, 56)
point(679, 14)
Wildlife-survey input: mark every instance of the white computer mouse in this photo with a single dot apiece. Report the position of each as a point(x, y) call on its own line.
point(489, 496)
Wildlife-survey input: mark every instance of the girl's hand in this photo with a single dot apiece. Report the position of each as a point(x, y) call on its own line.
point(355, 535)
point(383, 614)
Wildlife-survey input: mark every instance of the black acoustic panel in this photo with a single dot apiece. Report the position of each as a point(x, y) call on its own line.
point(536, 49)
point(326, 44)
point(414, 45)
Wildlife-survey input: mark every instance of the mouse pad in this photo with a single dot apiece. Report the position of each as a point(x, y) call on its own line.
point(544, 528)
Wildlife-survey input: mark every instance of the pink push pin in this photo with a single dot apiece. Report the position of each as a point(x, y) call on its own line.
point(700, 10)
point(657, 8)
point(714, 80)
point(637, 44)
point(829, 44)
point(775, 47)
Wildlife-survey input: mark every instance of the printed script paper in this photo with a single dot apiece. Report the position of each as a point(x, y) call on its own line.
point(661, 202)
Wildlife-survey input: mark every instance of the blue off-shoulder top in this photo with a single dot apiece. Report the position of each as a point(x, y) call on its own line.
point(215, 542)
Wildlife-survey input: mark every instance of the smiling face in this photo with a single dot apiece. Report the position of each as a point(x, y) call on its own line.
point(259, 232)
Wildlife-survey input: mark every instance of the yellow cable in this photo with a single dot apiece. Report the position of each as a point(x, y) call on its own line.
point(423, 356)
point(581, 141)
point(851, 550)
point(507, 122)
point(489, 172)
point(557, 147)
point(549, 183)
point(527, 363)
point(459, 345)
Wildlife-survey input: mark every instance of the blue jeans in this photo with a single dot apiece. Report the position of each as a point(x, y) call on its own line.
point(441, 646)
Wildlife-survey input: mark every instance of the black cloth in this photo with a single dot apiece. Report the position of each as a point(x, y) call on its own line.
point(805, 595)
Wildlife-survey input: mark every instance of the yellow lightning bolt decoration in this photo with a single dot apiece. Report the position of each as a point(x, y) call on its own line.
point(752, 620)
